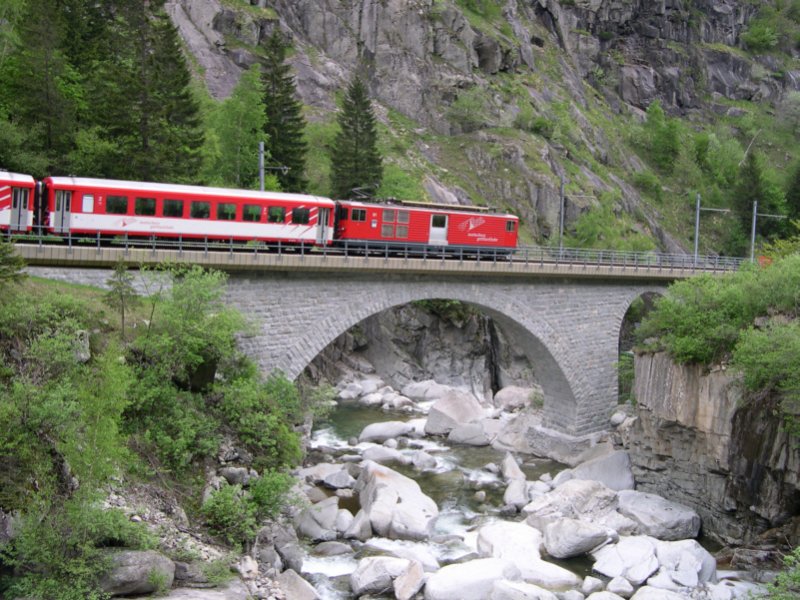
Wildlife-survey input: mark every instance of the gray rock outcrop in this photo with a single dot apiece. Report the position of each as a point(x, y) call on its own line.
point(138, 572)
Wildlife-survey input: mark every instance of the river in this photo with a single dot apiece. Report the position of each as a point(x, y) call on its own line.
point(465, 483)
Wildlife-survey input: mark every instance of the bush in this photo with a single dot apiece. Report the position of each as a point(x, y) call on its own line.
point(469, 109)
point(269, 493)
point(760, 37)
point(787, 584)
point(231, 515)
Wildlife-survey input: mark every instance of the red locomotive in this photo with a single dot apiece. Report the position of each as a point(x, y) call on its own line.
point(416, 225)
point(78, 206)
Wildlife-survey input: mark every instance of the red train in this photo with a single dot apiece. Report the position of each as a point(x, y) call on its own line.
point(78, 206)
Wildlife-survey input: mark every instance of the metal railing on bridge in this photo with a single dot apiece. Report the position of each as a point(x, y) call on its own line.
point(541, 255)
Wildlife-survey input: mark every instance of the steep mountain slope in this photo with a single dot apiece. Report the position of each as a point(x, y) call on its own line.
point(491, 102)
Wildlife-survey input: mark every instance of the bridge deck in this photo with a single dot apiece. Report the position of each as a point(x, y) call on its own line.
point(522, 264)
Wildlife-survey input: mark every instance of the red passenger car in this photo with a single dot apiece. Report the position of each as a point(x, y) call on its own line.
point(16, 202)
point(414, 225)
point(83, 206)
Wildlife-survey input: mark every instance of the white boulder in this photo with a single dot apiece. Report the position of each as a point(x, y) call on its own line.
point(519, 590)
point(620, 586)
point(510, 468)
point(421, 391)
point(512, 398)
point(395, 505)
point(384, 455)
point(295, 587)
point(576, 499)
point(633, 558)
point(651, 593)
point(613, 470)
point(456, 407)
point(687, 562)
point(659, 517)
point(409, 582)
point(566, 538)
point(472, 580)
point(380, 432)
point(469, 434)
point(318, 521)
point(376, 574)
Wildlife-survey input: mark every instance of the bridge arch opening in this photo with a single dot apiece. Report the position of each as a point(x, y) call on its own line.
point(504, 348)
point(639, 307)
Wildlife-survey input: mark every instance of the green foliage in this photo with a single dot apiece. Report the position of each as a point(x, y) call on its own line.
point(489, 9)
point(356, 164)
point(661, 137)
point(11, 264)
point(760, 37)
point(649, 183)
point(625, 373)
point(607, 226)
point(262, 414)
point(121, 294)
point(230, 514)
point(468, 111)
point(755, 184)
point(236, 126)
point(285, 123)
point(269, 493)
point(453, 311)
point(793, 194)
point(701, 320)
point(787, 584)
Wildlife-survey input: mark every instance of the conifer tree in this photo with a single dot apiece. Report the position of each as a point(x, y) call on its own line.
point(753, 185)
point(793, 194)
point(142, 99)
point(11, 263)
point(356, 167)
point(285, 122)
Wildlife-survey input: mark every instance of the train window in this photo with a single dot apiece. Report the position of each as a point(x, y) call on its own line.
point(144, 206)
point(117, 205)
point(510, 226)
point(402, 231)
point(251, 212)
point(88, 203)
point(276, 214)
point(341, 213)
point(359, 214)
point(403, 216)
point(226, 211)
point(200, 210)
point(439, 221)
point(172, 208)
point(387, 231)
point(389, 215)
point(301, 216)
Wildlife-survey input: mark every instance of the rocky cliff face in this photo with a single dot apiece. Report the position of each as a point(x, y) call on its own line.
point(695, 442)
point(547, 57)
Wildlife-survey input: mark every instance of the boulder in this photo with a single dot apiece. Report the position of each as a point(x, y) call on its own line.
point(469, 434)
point(587, 501)
point(318, 472)
point(422, 460)
point(687, 562)
point(566, 538)
point(604, 596)
point(380, 432)
point(376, 574)
point(409, 582)
point(394, 504)
point(472, 580)
point(512, 398)
point(456, 407)
point(235, 475)
point(633, 558)
point(332, 549)
point(591, 585)
point(519, 590)
point(247, 567)
point(383, 455)
point(360, 528)
point(516, 493)
point(295, 587)
point(344, 519)
point(658, 517)
point(620, 586)
point(651, 593)
point(338, 480)
point(318, 521)
point(510, 468)
point(421, 391)
point(351, 391)
point(138, 572)
point(613, 470)
point(416, 552)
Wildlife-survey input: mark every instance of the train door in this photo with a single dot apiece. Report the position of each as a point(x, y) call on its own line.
point(20, 209)
point(323, 224)
point(438, 235)
point(61, 214)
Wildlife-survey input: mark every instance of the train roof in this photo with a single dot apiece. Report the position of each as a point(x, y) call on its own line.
point(415, 204)
point(134, 186)
point(16, 177)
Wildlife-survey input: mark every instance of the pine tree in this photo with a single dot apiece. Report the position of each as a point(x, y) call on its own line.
point(11, 264)
point(793, 194)
point(142, 100)
point(355, 161)
point(752, 185)
point(285, 123)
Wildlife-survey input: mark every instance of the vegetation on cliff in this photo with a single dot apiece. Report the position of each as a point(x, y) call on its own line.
point(88, 407)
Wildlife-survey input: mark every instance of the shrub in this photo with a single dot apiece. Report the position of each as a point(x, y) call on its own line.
point(230, 514)
point(760, 37)
point(469, 109)
point(787, 584)
point(269, 492)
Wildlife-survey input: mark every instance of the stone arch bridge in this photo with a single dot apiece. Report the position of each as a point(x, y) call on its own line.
point(566, 318)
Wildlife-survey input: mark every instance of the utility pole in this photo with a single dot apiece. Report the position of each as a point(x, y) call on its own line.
point(757, 214)
point(261, 165)
point(561, 221)
point(697, 210)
